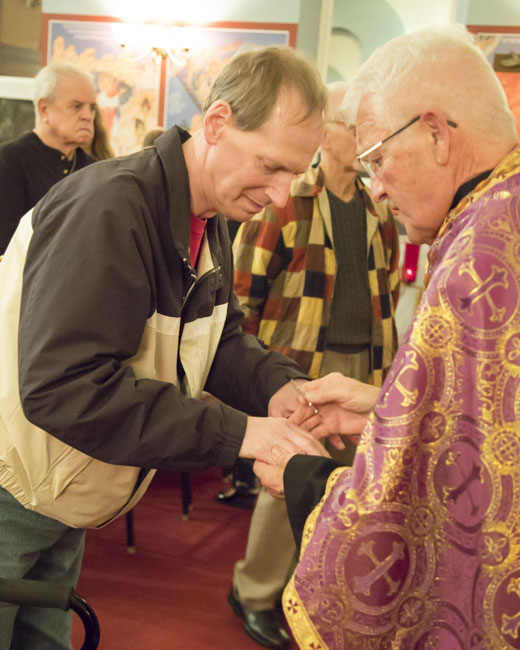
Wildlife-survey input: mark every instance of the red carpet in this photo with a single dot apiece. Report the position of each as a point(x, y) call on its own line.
point(171, 594)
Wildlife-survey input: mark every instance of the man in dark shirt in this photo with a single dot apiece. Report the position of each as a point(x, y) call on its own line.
point(64, 103)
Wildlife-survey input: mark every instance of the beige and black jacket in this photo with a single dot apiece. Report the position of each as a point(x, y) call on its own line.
point(109, 337)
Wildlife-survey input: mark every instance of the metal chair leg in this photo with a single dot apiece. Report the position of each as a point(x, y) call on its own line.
point(89, 620)
point(130, 544)
point(186, 494)
point(36, 593)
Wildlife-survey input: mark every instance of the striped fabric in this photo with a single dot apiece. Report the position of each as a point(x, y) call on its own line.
point(285, 271)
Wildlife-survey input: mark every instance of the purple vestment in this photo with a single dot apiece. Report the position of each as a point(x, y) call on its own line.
point(418, 546)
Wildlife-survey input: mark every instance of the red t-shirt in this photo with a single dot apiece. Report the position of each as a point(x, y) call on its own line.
point(196, 234)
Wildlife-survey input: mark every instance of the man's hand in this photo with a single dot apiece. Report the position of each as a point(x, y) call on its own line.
point(330, 420)
point(263, 434)
point(271, 474)
point(285, 401)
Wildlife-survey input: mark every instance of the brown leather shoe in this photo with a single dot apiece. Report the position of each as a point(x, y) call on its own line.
point(263, 627)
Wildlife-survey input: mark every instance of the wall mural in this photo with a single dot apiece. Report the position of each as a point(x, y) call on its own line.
point(501, 45)
point(141, 85)
point(188, 86)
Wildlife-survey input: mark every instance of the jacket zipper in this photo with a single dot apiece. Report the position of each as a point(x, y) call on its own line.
point(194, 279)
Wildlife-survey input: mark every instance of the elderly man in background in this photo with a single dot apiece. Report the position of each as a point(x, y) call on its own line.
point(64, 106)
point(318, 281)
point(118, 314)
point(418, 545)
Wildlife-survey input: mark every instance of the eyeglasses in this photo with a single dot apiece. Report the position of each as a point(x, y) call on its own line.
point(371, 167)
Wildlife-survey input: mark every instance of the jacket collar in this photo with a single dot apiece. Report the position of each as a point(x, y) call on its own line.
point(311, 184)
point(506, 167)
point(308, 184)
point(171, 156)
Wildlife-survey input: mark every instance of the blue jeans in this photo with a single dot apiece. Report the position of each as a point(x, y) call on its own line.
point(38, 548)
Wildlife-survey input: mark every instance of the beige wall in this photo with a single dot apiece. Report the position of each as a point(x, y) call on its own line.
point(20, 24)
point(20, 38)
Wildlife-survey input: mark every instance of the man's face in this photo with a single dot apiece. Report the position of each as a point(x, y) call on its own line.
point(340, 143)
point(69, 119)
point(254, 169)
point(406, 174)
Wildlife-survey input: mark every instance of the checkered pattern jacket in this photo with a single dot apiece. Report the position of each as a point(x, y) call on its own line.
point(285, 271)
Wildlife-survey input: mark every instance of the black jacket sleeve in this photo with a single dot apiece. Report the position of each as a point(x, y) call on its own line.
point(305, 478)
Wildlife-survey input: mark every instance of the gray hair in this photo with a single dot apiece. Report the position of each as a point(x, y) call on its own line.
point(438, 68)
point(252, 80)
point(337, 90)
point(48, 77)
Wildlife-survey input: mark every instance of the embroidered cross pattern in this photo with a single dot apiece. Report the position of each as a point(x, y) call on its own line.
point(483, 288)
point(452, 494)
point(511, 624)
point(409, 396)
point(364, 584)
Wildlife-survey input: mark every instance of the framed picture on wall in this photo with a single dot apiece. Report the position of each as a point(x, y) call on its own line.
point(501, 45)
point(209, 49)
point(150, 75)
point(127, 83)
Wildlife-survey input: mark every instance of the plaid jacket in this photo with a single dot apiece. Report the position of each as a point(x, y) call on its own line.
point(285, 271)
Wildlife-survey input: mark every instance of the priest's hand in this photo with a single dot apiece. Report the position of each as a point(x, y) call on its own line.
point(271, 474)
point(343, 405)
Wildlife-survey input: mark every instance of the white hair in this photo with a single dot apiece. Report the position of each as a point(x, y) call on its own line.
point(337, 90)
point(48, 77)
point(436, 68)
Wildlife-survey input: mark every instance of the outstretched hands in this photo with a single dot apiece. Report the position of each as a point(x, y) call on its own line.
point(343, 406)
point(263, 434)
point(268, 440)
point(271, 474)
